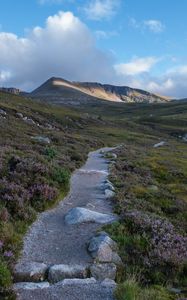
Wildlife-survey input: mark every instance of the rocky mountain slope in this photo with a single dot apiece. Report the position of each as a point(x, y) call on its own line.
point(62, 91)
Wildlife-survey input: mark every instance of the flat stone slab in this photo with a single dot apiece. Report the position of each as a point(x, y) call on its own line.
point(103, 271)
point(60, 272)
point(80, 215)
point(30, 271)
point(31, 285)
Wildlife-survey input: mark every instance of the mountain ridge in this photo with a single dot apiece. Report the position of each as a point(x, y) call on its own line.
point(71, 91)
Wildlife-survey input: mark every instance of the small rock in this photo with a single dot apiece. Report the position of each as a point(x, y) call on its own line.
point(80, 215)
point(109, 194)
point(42, 139)
point(153, 188)
point(30, 285)
point(60, 272)
point(103, 271)
point(3, 112)
point(109, 186)
point(20, 115)
point(159, 144)
point(30, 271)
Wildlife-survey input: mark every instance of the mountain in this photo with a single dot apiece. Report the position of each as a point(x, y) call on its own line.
point(58, 90)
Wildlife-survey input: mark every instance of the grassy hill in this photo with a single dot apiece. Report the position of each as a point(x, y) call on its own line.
point(40, 145)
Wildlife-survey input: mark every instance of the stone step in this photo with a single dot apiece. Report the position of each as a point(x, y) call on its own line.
point(59, 272)
point(71, 289)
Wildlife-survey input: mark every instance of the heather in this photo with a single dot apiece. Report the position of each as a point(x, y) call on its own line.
point(41, 145)
point(151, 199)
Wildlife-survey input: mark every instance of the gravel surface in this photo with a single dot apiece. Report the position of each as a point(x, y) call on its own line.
point(51, 241)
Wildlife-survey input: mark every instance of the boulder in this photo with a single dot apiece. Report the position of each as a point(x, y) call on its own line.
point(60, 272)
point(31, 286)
point(30, 272)
point(80, 215)
point(103, 271)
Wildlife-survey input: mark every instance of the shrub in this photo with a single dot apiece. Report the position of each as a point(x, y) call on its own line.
point(5, 275)
point(50, 152)
point(61, 176)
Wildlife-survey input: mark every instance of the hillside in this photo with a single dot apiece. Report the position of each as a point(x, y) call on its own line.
point(41, 145)
point(58, 90)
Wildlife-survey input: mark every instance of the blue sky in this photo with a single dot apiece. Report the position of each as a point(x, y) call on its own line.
point(127, 42)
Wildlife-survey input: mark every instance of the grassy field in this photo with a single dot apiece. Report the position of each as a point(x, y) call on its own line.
point(41, 145)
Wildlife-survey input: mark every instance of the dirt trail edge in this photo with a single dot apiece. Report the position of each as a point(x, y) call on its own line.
point(55, 262)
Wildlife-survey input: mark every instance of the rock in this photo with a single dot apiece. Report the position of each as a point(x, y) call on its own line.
point(103, 271)
point(30, 271)
point(109, 194)
point(80, 215)
point(29, 120)
point(185, 138)
point(159, 145)
point(30, 285)
point(116, 259)
point(153, 188)
point(109, 186)
point(103, 249)
point(108, 283)
point(60, 272)
point(20, 115)
point(3, 112)
point(42, 139)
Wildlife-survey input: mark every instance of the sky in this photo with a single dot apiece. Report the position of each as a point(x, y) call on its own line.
point(137, 43)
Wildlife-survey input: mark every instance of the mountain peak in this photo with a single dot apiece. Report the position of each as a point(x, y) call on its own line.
point(64, 91)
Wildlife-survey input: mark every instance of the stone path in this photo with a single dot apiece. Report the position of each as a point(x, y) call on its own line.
point(55, 262)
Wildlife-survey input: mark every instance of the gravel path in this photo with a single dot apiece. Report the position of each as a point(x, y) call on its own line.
point(51, 241)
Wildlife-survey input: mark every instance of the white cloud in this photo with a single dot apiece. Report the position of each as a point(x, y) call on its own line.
point(64, 47)
point(155, 26)
point(101, 9)
point(136, 66)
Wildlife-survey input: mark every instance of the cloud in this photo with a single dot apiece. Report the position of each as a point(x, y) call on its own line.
point(155, 26)
point(101, 9)
point(136, 66)
point(64, 47)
